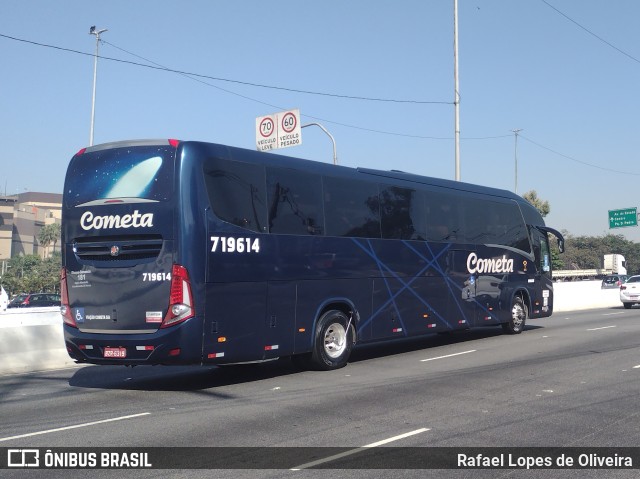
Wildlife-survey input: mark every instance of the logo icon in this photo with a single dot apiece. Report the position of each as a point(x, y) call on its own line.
point(23, 458)
point(115, 250)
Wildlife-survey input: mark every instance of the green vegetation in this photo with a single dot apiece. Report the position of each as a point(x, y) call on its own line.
point(32, 274)
point(49, 234)
point(586, 252)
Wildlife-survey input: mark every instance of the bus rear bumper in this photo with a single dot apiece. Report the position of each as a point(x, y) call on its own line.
point(165, 346)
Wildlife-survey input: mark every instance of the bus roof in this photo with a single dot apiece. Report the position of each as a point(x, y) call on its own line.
point(318, 167)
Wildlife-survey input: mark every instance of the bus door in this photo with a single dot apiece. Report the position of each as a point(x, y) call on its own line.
point(543, 281)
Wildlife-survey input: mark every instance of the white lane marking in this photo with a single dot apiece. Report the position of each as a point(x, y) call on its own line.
point(448, 355)
point(74, 427)
point(637, 367)
point(603, 327)
point(358, 449)
point(613, 314)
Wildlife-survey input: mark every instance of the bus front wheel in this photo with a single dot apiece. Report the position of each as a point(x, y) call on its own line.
point(518, 318)
point(333, 341)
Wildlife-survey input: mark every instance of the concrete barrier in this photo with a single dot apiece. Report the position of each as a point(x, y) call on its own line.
point(32, 338)
point(578, 295)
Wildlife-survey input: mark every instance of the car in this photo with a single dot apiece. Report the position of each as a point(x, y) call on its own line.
point(17, 301)
point(37, 300)
point(630, 291)
point(613, 281)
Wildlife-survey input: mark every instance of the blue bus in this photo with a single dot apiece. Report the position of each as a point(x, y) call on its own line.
point(184, 252)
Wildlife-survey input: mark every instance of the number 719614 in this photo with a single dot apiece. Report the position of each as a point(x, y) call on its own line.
point(231, 244)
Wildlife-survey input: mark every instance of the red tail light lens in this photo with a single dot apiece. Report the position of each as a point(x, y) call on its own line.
point(65, 309)
point(181, 299)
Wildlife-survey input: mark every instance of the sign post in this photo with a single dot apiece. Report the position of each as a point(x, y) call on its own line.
point(623, 218)
point(278, 130)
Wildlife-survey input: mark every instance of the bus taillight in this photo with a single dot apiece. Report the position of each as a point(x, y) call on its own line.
point(65, 309)
point(181, 300)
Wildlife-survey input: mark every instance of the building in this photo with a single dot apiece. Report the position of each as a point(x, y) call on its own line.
point(22, 217)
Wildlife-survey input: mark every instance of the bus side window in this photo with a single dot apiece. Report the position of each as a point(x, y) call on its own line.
point(443, 221)
point(402, 213)
point(351, 208)
point(236, 193)
point(295, 202)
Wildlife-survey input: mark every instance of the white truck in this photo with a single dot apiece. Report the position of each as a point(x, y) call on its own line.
point(612, 264)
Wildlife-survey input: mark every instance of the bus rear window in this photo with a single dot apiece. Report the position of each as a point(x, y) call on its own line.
point(131, 173)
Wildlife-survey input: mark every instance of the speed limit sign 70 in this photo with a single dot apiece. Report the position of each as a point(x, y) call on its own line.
point(266, 132)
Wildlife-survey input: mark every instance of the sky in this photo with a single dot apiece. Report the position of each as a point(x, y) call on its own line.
point(377, 74)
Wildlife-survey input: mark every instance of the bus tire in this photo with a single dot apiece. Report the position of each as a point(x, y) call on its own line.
point(518, 317)
point(333, 341)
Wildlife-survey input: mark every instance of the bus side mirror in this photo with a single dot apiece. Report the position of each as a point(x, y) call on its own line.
point(561, 245)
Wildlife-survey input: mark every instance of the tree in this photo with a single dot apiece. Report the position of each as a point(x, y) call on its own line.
point(49, 234)
point(587, 252)
point(542, 206)
point(32, 274)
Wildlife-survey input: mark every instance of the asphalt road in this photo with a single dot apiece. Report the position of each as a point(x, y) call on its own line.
point(572, 380)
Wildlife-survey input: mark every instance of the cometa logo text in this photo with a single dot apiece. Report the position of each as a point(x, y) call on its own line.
point(491, 265)
point(88, 221)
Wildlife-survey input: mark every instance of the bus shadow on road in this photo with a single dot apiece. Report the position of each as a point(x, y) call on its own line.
point(211, 378)
point(178, 378)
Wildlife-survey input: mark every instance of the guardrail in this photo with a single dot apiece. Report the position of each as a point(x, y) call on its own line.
point(32, 338)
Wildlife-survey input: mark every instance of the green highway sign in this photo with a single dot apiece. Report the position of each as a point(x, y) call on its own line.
point(622, 218)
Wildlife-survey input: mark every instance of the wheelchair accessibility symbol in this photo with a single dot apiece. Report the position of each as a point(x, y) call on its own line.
point(79, 315)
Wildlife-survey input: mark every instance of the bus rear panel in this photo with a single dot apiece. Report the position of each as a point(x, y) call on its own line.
point(120, 275)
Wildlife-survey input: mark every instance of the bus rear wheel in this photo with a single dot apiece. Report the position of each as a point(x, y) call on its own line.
point(333, 341)
point(519, 314)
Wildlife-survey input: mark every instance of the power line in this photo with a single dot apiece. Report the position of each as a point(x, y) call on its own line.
point(199, 78)
point(239, 82)
point(346, 125)
point(576, 160)
point(591, 33)
point(333, 122)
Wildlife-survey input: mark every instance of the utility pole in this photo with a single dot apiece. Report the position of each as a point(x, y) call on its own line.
point(515, 154)
point(456, 93)
point(93, 31)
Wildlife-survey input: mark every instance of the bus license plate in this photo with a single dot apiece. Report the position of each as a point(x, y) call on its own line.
point(115, 352)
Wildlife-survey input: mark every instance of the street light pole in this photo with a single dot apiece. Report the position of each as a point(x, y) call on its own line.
point(515, 155)
point(93, 31)
point(456, 91)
